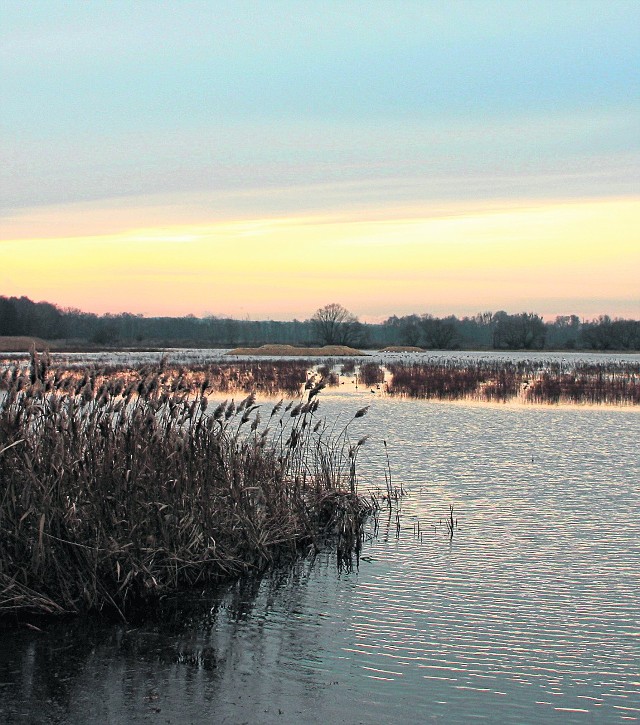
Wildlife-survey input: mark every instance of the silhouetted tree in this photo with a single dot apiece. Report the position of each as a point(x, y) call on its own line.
point(334, 325)
point(9, 324)
point(331, 324)
point(626, 334)
point(105, 334)
point(607, 334)
point(410, 330)
point(525, 331)
point(438, 334)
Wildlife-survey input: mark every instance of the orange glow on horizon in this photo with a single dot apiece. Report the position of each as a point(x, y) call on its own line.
point(453, 260)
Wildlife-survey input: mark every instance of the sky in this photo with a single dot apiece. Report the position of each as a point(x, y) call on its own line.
point(263, 159)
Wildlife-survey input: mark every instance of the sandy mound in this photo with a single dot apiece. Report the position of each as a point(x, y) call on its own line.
point(401, 348)
point(21, 344)
point(290, 350)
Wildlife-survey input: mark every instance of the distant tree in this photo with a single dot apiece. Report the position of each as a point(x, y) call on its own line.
point(439, 334)
point(334, 325)
point(607, 334)
point(106, 333)
point(78, 324)
point(47, 321)
point(626, 334)
point(129, 326)
point(525, 331)
point(564, 322)
point(564, 332)
point(410, 330)
point(25, 309)
point(231, 329)
point(9, 324)
point(484, 318)
point(393, 321)
point(476, 331)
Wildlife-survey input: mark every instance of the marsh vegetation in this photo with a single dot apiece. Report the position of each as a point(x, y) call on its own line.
point(119, 487)
point(123, 482)
point(527, 381)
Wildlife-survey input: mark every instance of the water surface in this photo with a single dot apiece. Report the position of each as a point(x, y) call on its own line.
point(529, 613)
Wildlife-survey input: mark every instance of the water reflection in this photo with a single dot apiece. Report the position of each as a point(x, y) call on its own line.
point(528, 614)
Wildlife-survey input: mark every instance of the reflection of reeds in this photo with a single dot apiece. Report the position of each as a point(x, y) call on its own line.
point(116, 492)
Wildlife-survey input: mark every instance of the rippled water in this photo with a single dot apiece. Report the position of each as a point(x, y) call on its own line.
point(530, 613)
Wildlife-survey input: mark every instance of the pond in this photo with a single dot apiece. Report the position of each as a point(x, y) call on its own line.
point(528, 613)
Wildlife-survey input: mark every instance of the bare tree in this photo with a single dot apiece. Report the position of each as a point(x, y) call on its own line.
point(334, 325)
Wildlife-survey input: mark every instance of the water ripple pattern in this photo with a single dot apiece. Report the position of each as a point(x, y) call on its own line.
point(529, 613)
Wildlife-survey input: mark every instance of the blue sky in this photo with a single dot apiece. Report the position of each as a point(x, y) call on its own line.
point(195, 112)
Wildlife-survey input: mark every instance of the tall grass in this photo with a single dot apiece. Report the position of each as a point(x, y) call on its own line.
point(112, 495)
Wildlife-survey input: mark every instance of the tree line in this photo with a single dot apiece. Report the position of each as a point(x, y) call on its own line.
point(331, 324)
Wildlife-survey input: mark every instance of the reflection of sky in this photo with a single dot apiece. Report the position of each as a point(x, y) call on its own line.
point(525, 616)
point(201, 111)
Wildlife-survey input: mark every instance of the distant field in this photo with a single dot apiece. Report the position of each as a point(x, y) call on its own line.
point(21, 344)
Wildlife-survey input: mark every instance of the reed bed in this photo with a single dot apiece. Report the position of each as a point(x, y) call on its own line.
point(436, 381)
point(348, 367)
point(113, 495)
point(371, 374)
point(585, 386)
point(269, 378)
point(615, 383)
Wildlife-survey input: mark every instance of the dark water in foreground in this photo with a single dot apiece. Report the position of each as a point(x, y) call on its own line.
point(531, 613)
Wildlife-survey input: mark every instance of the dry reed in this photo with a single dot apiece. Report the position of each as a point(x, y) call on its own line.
point(114, 492)
point(614, 383)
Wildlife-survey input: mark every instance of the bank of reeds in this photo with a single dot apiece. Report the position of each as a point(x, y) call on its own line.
point(615, 383)
point(435, 381)
point(535, 381)
point(269, 378)
point(587, 384)
point(113, 495)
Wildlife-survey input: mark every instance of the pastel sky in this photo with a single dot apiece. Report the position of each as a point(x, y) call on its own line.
point(262, 159)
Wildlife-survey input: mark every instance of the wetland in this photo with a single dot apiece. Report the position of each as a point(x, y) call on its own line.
point(524, 611)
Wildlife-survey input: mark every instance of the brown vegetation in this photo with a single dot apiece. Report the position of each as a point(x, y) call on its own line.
point(113, 494)
point(371, 374)
point(534, 382)
point(267, 377)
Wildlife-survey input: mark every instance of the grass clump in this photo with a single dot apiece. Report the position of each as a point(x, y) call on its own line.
point(371, 374)
point(112, 496)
